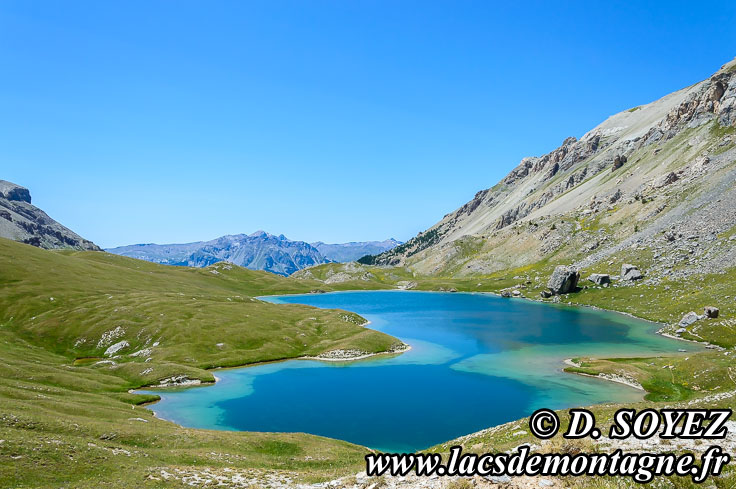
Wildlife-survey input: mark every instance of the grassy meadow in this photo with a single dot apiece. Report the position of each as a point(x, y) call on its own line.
point(68, 418)
point(80, 330)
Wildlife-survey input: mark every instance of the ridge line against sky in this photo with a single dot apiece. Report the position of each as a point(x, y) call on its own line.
point(329, 121)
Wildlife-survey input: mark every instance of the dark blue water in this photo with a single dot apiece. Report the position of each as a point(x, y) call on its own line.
point(476, 361)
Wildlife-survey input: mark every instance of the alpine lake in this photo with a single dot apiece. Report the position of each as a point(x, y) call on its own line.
point(476, 360)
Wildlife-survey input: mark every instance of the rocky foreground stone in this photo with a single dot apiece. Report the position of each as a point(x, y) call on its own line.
point(600, 278)
point(630, 272)
point(563, 280)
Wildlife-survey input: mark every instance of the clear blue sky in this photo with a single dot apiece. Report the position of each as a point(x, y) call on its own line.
point(173, 121)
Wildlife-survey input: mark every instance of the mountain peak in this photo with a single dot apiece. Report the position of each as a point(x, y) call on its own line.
point(728, 67)
point(258, 251)
point(12, 191)
point(605, 177)
point(22, 221)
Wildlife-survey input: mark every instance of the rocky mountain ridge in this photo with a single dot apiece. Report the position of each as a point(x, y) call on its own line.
point(257, 251)
point(21, 221)
point(655, 182)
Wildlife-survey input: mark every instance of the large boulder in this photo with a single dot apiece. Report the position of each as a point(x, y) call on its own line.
point(689, 319)
point(711, 312)
point(600, 278)
point(563, 280)
point(630, 272)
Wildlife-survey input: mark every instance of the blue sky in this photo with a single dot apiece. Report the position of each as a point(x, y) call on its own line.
point(173, 121)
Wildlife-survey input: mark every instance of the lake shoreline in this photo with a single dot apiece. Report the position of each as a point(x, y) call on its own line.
point(204, 383)
point(172, 387)
point(660, 331)
point(609, 377)
point(350, 358)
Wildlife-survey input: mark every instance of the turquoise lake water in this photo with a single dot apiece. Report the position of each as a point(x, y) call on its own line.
point(477, 360)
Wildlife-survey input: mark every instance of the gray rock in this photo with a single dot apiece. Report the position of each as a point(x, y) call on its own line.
point(546, 294)
point(618, 162)
point(600, 278)
point(499, 479)
point(515, 293)
point(711, 312)
point(630, 272)
point(615, 197)
point(689, 319)
point(505, 293)
point(563, 280)
point(11, 191)
point(665, 180)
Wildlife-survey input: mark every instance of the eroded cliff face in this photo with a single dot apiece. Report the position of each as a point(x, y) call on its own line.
point(644, 169)
point(22, 221)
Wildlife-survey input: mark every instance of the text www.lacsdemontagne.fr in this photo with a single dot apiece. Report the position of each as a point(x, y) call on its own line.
point(641, 467)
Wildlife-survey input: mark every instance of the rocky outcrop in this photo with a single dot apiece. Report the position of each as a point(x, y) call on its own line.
point(563, 280)
point(600, 278)
point(665, 180)
point(689, 318)
point(630, 272)
point(717, 98)
point(22, 221)
point(11, 191)
point(711, 312)
point(618, 162)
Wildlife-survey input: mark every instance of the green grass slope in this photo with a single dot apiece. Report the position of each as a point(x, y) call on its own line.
point(67, 418)
point(79, 304)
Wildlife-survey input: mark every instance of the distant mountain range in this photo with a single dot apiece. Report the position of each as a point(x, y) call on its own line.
point(22, 221)
point(257, 251)
point(345, 252)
